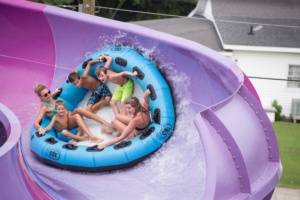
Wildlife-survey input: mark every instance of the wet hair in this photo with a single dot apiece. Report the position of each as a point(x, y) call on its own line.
point(73, 76)
point(135, 103)
point(38, 89)
point(60, 103)
point(100, 69)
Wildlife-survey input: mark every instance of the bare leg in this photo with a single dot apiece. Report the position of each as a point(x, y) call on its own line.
point(120, 126)
point(76, 118)
point(100, 104)
point(89, 107)
point(123, 110)
point(113, 104)
point(78, 135)
point(90, 115)
point(112, 127)
point(123, 118)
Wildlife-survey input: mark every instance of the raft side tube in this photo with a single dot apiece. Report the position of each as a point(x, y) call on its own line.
point(69, 92)
point(159, 137)
point(79, 157)
point(109, 156)
point(39, 144)
point(143, 147)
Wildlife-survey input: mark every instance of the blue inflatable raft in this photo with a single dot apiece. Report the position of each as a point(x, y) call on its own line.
point(60, 153)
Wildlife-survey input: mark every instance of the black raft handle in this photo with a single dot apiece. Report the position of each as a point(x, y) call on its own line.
point(122, 144)
point(93, 149)
point(84, 64)
point(156, 116)
point(103, 59)
point(147, 133)
point(69, 146)
point(153, 93)
point(140, 75)
point(121, 61)
point(38, 135)
point(58, 93)
point(51, 140)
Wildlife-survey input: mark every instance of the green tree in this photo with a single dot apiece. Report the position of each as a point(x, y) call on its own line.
point(55, 2)
point(115, 9)
point(167, 7)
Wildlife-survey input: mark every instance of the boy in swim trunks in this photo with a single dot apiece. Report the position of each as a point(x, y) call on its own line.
point(64, 121)
point(124, 87)
point(100, 93)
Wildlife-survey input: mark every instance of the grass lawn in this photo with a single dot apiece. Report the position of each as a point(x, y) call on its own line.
point(288, 137)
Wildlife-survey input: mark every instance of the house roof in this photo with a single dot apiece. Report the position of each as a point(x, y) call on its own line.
point(199, 30)
point(278, 20)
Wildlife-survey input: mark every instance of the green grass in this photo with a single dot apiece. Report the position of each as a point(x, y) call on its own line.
point(288, 137)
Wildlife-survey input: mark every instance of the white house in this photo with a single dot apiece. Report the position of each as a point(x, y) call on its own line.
point(262, 36)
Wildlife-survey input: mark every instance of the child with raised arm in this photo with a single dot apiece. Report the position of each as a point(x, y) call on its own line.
point(63, 121)
point(101, 95)
point(124, 87)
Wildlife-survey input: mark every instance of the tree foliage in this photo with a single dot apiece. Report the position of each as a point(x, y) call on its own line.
point(278, 116)
point(56, 2)
point(115, 9)
point(166, 7)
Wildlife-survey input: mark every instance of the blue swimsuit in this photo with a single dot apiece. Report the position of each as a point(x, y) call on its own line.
point(51, 106)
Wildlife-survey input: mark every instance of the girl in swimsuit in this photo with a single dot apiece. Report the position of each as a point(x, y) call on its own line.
point(127, 126)
point(48, 104)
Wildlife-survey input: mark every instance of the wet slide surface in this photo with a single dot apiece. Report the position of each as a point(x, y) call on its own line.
point(170, 169)
point(200, 79)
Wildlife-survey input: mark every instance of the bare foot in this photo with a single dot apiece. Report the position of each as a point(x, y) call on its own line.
point(104, 130)
point(107, 130)
point(73, 141)
point(101, 146)
point(85, 138)
point(96, 140)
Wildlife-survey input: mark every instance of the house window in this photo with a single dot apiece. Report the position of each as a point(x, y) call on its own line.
point(294, 74)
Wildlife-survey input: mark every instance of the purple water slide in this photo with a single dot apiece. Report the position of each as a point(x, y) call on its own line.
point(223, 146)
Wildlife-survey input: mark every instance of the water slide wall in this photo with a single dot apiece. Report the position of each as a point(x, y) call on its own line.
point(42, 44)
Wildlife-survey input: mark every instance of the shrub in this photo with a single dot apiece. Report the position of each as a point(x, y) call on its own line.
point(278, 116)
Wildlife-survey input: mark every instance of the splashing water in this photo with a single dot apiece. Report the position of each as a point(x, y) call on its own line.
point(176, 170)
point(172, 164)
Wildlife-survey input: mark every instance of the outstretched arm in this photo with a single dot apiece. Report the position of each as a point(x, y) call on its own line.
point(43, 131)
point(126, 132)
point(124, 73)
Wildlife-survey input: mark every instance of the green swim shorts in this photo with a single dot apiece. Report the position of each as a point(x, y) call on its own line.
point(123, 91)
